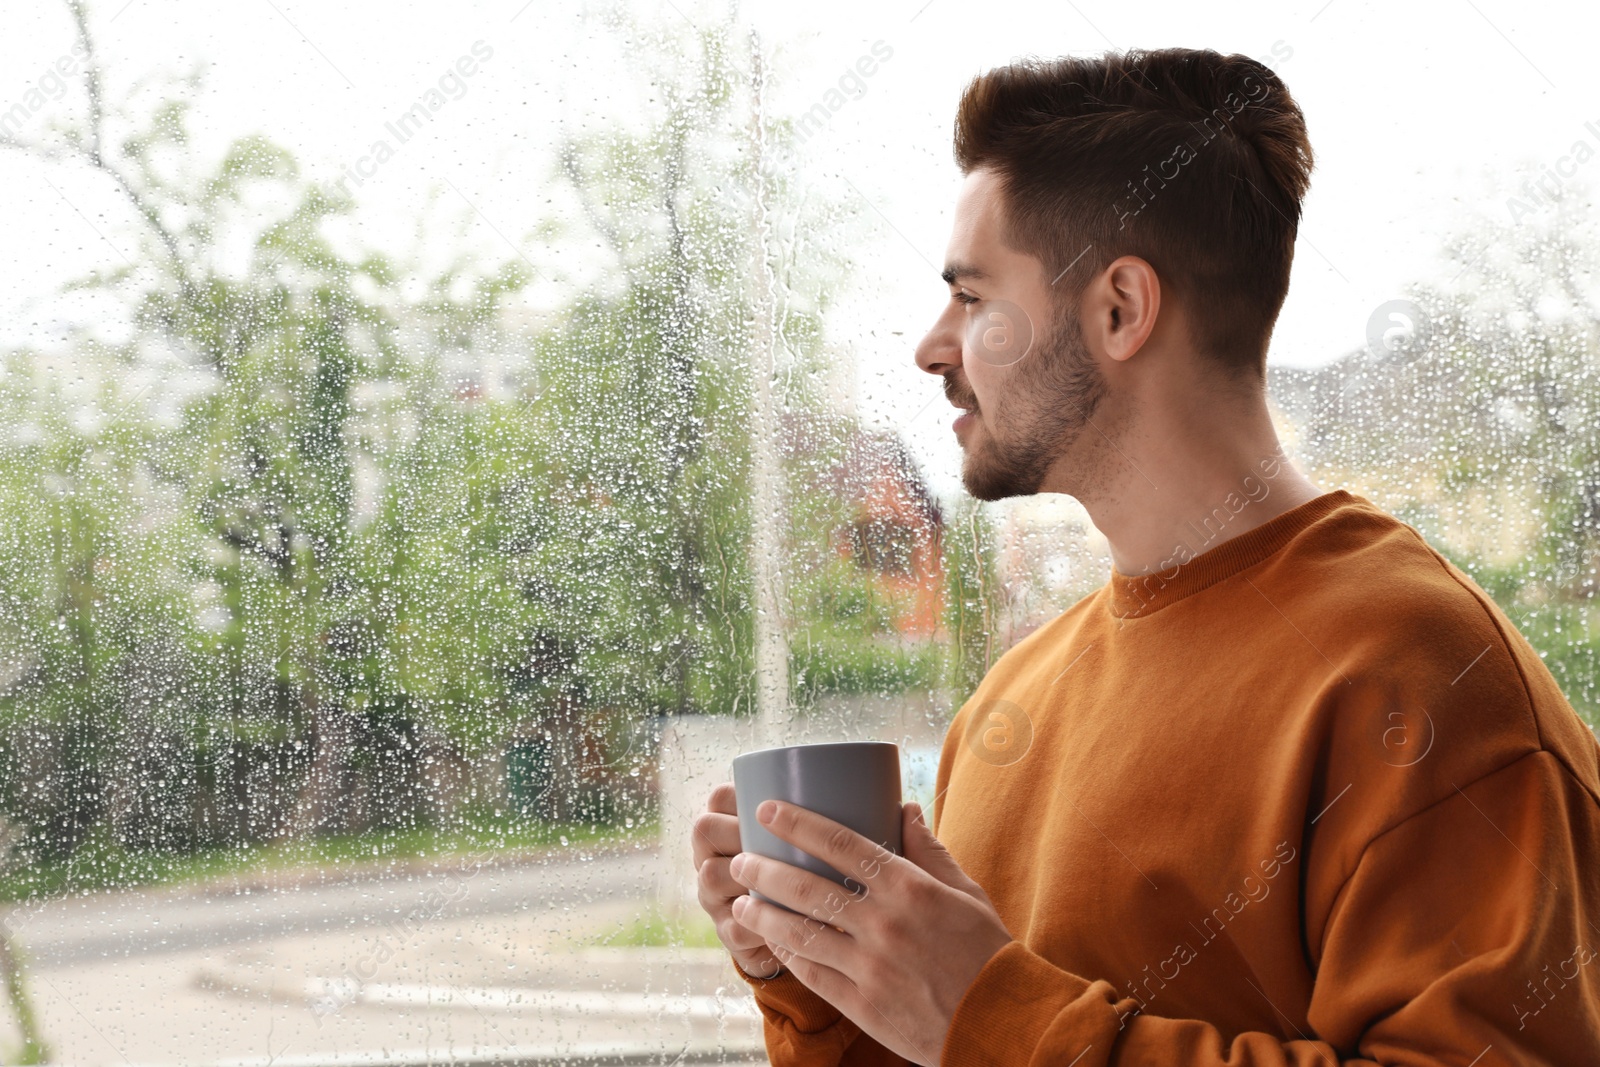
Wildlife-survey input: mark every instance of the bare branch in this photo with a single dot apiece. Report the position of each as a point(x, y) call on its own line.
point(91, 81)
point(34, 148)
point(90, 147)
point(168, 240)
point(569, 167)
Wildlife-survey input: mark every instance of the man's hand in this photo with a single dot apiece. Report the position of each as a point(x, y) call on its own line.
point(897, 950)
point(716, 840)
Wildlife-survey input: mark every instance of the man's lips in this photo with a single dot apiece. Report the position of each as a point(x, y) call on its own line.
point(967, 404)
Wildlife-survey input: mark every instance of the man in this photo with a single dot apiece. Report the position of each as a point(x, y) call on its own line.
point(1289, 788)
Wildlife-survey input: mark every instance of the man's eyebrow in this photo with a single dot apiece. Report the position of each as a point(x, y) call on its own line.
point(961, 270)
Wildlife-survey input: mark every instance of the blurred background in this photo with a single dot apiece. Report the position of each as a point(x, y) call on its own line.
point(437, 438)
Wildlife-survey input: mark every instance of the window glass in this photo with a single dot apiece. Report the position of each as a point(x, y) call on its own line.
point(434, 439)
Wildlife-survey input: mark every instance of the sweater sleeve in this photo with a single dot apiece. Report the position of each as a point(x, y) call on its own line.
point(1467, 934)
point(801, 1029)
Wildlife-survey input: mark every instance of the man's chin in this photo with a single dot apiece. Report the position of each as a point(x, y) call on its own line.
point(983, 482)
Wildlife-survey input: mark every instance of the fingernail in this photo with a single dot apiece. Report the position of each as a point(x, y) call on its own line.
point(737, 866)
point(767, 810)
point(740, 904)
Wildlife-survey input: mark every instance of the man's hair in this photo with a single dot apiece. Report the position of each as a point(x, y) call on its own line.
point(1194, 161)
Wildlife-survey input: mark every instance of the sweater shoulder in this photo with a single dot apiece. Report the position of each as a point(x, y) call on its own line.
point(1427, 648)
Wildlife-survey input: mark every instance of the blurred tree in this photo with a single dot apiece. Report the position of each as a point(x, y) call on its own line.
point(326, 580)
point(252, 717)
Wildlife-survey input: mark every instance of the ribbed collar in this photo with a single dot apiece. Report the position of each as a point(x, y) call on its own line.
point(1136, 596)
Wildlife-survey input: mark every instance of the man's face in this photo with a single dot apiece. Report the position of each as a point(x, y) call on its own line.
point(1017, 365)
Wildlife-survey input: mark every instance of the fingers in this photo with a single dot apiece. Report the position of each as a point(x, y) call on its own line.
point(717, 885)
point(801, 891)
point(914, 826)
point(818, 940)
point(717, 890)
point(723, 799)
point(716, 840)
point(852, 855)
point(743, 941)
point(716, 830)
point(715, 834)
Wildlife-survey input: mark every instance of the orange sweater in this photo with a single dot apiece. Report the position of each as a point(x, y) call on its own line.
point(1309, 798)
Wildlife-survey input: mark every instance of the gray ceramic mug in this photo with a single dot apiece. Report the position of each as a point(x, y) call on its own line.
point(856, 783)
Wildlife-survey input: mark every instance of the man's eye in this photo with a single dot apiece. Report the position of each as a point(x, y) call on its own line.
point(965, 298)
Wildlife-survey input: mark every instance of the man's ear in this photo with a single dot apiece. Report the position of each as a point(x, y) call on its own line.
point(1120, 308)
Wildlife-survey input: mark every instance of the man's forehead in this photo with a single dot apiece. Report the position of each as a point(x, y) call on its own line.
point(978, 250)
point(974, 235)
point(977, 212)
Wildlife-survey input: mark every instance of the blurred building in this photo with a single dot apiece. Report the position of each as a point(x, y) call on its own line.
point(885, 518)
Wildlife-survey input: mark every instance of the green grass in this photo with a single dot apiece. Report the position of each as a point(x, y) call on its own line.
point(99, 865)
point(653, 929)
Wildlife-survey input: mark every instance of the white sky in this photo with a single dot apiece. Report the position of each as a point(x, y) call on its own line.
point(1420, 114)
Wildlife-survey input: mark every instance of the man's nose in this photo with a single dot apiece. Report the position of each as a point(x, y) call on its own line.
point(940, 349)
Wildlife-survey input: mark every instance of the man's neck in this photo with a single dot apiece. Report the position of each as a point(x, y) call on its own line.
point(1206, 477)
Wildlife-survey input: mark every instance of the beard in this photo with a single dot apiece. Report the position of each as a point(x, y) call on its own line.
point(1047, 404)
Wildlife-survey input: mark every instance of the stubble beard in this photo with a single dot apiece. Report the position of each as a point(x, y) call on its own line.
point(1047, 405)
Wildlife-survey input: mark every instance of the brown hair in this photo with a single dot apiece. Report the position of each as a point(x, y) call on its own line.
point(1194, 161)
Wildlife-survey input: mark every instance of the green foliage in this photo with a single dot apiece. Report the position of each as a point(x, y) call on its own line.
point(310, 553)
point(972, 605)
point(653, 928)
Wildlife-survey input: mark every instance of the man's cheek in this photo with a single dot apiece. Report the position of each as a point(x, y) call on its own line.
point(999, 334)
point(986, 378)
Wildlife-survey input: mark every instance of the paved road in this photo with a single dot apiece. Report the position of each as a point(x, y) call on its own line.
point(452, 962)
point(144, 922)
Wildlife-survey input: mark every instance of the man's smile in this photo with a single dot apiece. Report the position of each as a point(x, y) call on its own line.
point(963, 399)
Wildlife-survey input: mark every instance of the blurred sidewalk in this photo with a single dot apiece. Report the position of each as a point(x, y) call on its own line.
point(383, 971)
